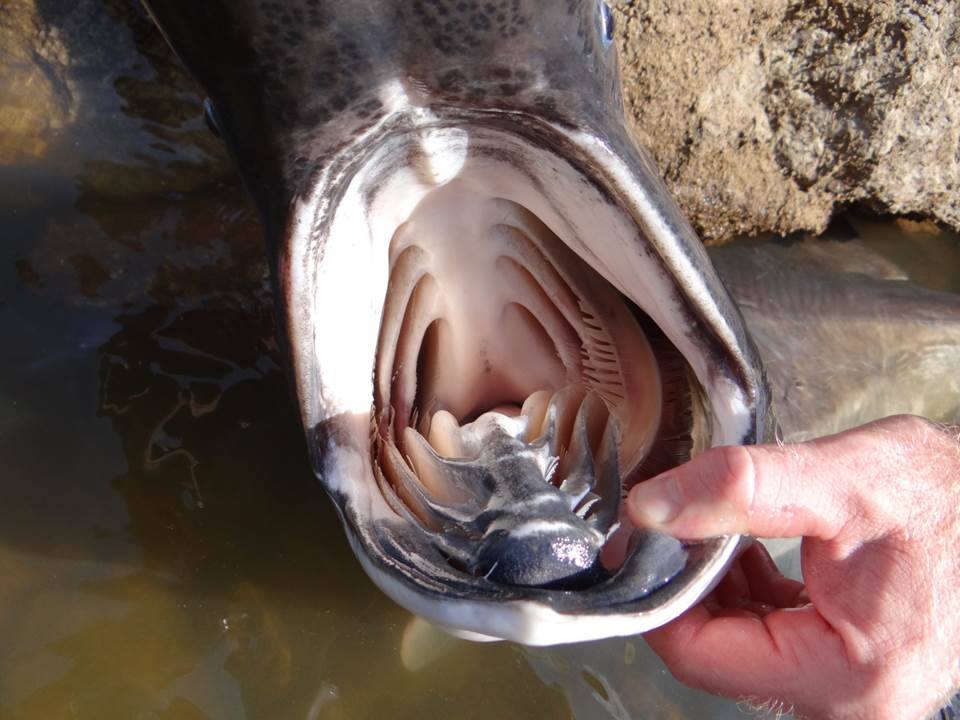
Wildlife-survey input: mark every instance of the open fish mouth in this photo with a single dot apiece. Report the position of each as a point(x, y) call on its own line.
point(498, 320)
point(490, 351)
point(488, 315)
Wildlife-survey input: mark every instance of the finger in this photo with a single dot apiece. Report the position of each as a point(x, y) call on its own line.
point(767, 584)
point(720, 605)
point(711, 602)
point(765, 490)
point(746, 609)
point(742, 655)
point(734, 594)
point(734, 586)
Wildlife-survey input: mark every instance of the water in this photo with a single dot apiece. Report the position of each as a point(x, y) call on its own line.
point(165, 551)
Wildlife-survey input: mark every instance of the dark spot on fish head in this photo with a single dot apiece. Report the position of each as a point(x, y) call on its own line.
point(457, 28)
point(453, 81)
point(443, 43)
point(476, 93)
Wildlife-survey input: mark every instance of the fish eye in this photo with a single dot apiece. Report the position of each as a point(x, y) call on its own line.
point(210, 117)
point(606, 23)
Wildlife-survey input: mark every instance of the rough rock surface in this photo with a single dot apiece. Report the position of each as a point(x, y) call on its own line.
point(30, 111)
point(769, 114)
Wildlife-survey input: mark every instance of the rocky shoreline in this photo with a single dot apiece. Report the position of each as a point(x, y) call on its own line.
point(768, 115)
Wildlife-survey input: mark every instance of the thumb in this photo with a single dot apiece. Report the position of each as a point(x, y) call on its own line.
point(764, 490)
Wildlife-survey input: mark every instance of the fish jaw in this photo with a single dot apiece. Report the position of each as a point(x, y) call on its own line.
point(408, 571)
point(335, 274)
point(343, 118)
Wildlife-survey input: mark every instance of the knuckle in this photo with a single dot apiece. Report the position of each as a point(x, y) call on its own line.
point(913, 431)
point(739, 476)
point(927, 451)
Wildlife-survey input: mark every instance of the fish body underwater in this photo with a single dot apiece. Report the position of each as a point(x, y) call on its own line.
point(846, 335)
point(497, 319)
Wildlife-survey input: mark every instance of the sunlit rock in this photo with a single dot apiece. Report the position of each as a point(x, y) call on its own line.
point(769, 114)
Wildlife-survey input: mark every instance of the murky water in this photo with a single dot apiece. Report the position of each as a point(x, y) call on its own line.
point(165, 551)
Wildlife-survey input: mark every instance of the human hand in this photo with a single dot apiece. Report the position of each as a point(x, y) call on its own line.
point(875, 633)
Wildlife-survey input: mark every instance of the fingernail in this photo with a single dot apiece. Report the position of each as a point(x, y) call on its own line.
point(656, 501)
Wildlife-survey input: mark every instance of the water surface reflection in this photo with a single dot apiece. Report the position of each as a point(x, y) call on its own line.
point(164, 548)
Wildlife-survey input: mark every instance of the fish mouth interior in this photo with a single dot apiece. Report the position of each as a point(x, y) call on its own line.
point(486, 308)
point(487, 311)
point(465, 266)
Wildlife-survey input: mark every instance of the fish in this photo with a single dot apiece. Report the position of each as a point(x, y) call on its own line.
point(845, 335)
point(497, 318)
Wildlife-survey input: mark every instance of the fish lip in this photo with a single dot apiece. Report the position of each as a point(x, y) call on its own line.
point(543, 617)
point(531, 616)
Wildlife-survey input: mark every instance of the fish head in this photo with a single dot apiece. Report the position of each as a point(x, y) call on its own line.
point(293, 83)
point(497, 318)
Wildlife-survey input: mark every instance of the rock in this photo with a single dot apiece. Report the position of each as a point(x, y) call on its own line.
point(31, 110)
point(767, 115)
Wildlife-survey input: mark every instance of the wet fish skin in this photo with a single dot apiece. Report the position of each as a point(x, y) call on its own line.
point(844, 337)
point(304, 93)
point(306, 79)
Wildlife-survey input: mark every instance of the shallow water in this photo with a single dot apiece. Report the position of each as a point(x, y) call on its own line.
point(165, 551)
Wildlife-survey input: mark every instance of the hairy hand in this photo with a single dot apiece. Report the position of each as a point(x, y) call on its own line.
point(875, 630)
